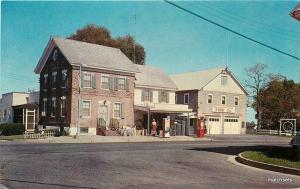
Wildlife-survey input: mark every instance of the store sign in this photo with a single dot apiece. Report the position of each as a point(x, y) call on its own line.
point(221, 109)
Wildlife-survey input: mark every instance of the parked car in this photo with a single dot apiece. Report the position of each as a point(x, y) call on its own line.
point(295, 142)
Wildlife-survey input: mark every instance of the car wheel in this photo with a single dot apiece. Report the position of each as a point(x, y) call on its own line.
point(294, 147)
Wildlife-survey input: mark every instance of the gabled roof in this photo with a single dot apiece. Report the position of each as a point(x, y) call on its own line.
point(151, 77)
point(88, 55)
point(199, 79)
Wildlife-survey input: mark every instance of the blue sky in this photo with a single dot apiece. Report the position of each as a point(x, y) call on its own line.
point(174, 40)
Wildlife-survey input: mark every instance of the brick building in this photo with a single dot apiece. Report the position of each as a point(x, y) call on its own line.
point(100, 78)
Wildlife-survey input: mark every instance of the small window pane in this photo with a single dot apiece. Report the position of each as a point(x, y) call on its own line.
point(121, 83)
point(209, 99)
point(86, 105)
point(117, 110)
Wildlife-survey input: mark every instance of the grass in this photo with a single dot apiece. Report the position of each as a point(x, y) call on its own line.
point(12, 137)
point(283, 156)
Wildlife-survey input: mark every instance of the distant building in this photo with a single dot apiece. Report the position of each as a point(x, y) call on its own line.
point(216, 95)
point(20, 107)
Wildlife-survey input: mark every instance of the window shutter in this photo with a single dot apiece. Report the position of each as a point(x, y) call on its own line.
point(167, 97)
point(116, 83)
point(122, 110)
point(151, 96)
point(127, 84)
point(81, 80)
point(111, 84)
point(94, 81)
point(159, 96)
point(143, 95)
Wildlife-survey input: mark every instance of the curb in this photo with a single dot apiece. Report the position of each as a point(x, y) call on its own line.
point(270, 167)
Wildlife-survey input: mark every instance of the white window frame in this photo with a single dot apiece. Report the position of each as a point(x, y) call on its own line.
point(107, 76)
point(121, 77)
point(120, 103)
point(147, 91)
point(238, 100)
point(65, 99)
point(212, 98)
point(62, 73)
point(168, 97)
point(87, 73)
point(221, 99)
point(90, 101)
point(188, 95)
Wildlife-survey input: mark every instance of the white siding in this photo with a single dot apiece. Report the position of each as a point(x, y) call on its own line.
point(138, 97)
point(230, 87)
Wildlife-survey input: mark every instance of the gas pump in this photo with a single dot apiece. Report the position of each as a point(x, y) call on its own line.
point(201, 129)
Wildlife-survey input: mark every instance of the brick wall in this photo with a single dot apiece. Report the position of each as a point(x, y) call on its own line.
point(97, 96)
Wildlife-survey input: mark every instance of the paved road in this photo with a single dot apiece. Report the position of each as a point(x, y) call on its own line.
point(165, 165)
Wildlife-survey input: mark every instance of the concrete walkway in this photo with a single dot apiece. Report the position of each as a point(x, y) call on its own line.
point(110, 139)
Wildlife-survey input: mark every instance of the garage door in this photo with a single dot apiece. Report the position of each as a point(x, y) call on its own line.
point(213, 125)
point(231, 126)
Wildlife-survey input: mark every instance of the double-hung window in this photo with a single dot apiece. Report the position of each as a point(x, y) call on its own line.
point(236, 100)
point(54, 79)
point(105, 82)
point(209, 99)
point(223, 100)
point(87, 80)
point(163, 97)
point(121, 83)
point(86, 108)
point(53, 107)
point(224, 80)
point(119, 110)
point(64, 78)
point(147, 95)
point(45, 79)
point(44, 110)
point(63, 106)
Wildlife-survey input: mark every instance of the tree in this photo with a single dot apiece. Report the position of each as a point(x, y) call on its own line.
point(280, 99)
point(101, 36)
point(256, 81)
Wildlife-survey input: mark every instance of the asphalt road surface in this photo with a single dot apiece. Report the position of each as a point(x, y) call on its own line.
point(155, 165)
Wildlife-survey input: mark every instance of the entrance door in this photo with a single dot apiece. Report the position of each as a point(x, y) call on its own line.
point(103, 113)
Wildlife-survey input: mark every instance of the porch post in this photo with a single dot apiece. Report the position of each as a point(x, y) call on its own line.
point(23, 121)
point(26, 119)
point(148, 126)
point(33, 119)
point(188, 124)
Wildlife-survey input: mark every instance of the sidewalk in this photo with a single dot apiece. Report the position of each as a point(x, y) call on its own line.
point(111, 139)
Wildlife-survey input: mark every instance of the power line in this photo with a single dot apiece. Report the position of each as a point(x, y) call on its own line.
point(232, 31)
point(245, 22)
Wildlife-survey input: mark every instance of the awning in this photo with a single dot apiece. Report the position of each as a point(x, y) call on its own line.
point(164, 108)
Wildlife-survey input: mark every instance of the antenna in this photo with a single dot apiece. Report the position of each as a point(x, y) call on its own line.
point(227, 49)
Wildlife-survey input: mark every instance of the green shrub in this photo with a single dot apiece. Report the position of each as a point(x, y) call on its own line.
point(8, 129)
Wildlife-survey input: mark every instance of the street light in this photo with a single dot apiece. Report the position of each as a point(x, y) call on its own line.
point(296, 12)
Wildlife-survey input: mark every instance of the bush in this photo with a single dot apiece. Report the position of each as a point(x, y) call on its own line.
point(8, 129)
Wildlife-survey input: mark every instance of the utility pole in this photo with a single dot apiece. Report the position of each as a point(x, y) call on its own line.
point(79, 102)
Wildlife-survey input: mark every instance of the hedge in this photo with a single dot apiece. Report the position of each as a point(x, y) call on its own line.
point(8, 129)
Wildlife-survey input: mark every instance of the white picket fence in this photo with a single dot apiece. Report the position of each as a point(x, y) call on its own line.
point(28, 135)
